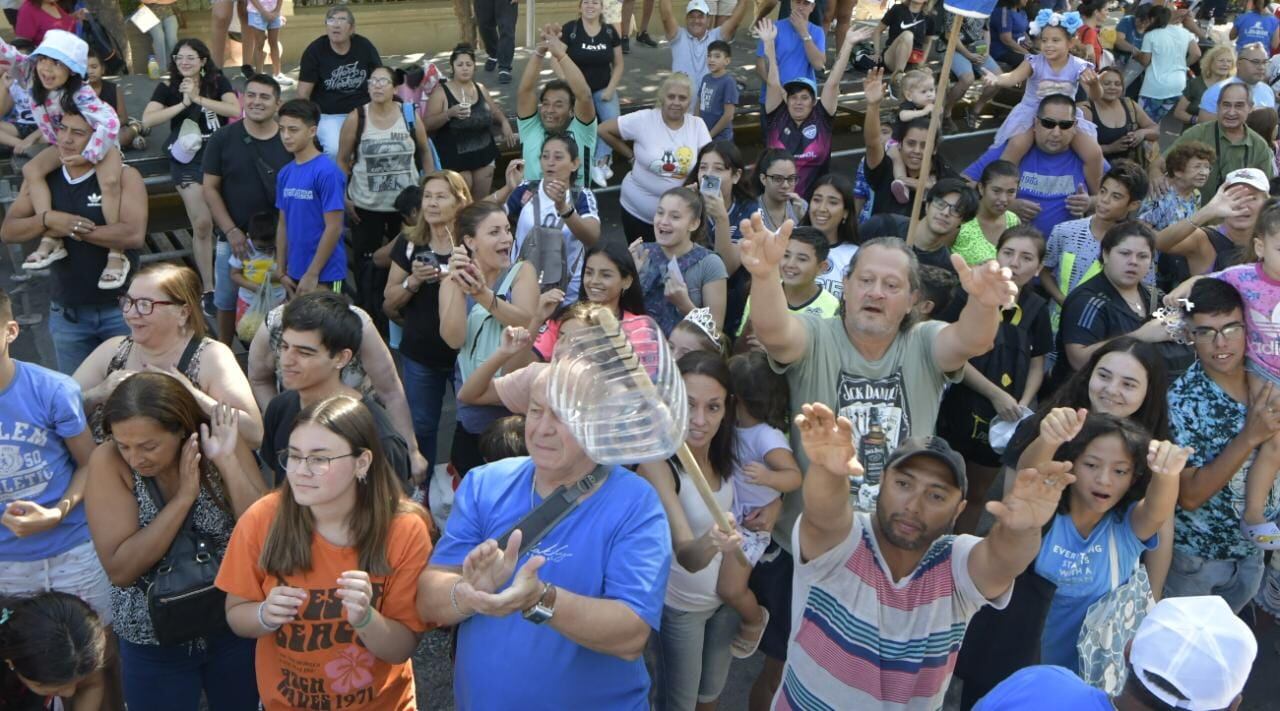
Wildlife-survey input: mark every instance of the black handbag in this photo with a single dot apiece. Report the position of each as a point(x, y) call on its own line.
point(181, 597)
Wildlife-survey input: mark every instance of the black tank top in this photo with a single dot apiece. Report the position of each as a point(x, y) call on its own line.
point(75, 280)
point(1110, 134)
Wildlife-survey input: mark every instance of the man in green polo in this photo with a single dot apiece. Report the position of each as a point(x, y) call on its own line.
point(1233, 142)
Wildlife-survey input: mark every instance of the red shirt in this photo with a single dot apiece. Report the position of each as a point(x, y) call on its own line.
point(33, 22)
point(1089, 35)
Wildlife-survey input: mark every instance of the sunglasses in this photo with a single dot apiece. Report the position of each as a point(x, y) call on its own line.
point(1052, 124)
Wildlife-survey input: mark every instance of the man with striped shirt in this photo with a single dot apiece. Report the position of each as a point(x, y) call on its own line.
point(882, 601)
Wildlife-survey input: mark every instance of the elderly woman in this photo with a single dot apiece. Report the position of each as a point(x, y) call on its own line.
point(665, 141)
point(1216, 65)
point(170, 461)
point(167, 334)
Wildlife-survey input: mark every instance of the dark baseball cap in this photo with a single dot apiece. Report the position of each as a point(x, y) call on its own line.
point(935, 447)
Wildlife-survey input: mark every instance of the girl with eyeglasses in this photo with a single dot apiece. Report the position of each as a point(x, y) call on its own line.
point(338, 588)
point(776, 178)
point(168, 462)
point(376, 151)
point(167, 334)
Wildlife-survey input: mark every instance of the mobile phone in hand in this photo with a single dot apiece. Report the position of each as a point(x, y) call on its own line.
point(710, 184)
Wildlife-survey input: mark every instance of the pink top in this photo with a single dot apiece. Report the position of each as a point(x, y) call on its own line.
point(101, 116)
point(33, 22)
point(545, 344)
point(1261, 296)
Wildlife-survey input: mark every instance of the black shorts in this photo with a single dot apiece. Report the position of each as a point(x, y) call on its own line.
point(771, 582)
point(25, 129)
point(185, 174)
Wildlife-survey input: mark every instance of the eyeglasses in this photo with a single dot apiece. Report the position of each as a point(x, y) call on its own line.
point(316, 464)
point(144, 306)
point(379, 81)
point(1052, 124)
point(336, 21)
point(946, 208)
point(1209, 334)
point(1255, 62)
point(782, 179)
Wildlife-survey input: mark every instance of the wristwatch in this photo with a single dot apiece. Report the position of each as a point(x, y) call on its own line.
point(544, 608)
point(405, 285)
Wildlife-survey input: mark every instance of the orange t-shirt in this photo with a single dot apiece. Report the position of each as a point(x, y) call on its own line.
point(316, 661)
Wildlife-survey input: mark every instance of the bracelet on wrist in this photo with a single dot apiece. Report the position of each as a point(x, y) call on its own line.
point(453, 599)
point(364, 621)
point(43, 216)
point(262, 621)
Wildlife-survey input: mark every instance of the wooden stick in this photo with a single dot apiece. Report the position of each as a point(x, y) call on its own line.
point(622, 346)
point(935, 120)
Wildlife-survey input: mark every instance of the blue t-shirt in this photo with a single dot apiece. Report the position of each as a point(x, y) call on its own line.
point(1047, 179)
point(714, 93)
point(1129, 28)
point(793, 63)
point(616, 545)
point(39, 410)
point(1253, 27)
point(1082, 571)
point(304, 193)
point(1013, 21)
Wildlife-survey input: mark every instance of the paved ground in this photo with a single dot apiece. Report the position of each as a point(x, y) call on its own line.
point(644, 68)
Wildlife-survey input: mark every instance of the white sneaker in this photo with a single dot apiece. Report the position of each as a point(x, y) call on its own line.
point(284, 80)
point(598, 175)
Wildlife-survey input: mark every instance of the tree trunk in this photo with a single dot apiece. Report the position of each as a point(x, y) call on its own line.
point(108, 13)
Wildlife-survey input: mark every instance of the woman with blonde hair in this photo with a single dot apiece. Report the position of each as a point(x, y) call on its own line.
point(665, 141)
point(347, 642)
point(419, 257)
point(167, 333)
point(1216, 64)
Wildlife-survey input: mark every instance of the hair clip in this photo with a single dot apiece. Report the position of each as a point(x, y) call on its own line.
point(706, 323)
point(1187, 305)
point(5, 614)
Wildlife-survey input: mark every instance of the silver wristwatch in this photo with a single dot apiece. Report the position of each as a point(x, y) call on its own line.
point(544, 608)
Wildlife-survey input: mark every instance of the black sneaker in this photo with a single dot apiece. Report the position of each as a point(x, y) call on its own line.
point(247, 71)
point(207, 304)
point(490, 64)
point(504, 76)
point(626, 45)
point(644, 39)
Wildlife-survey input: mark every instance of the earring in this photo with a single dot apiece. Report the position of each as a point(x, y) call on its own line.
point(361, 477)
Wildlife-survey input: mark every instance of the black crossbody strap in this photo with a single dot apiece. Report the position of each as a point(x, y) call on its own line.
point(187, 354)
point(539, 522)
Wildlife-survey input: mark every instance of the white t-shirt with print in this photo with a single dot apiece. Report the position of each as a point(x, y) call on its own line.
point(663, 158)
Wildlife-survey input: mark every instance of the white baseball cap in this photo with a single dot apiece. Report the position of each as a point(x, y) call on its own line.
point(1198, 646)
point(1252, 177)
point(188, 143)
point(698, 6)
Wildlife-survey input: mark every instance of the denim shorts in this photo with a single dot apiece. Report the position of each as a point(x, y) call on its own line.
point(257, 23)
point(960, 66)
point(1235, 581)
point(225, 291)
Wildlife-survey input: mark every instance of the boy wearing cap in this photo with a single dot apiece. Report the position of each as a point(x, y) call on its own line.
point(898, 579)
point(690, 44)
point(1189, 653)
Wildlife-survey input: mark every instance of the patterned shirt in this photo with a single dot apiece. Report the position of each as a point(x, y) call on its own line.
point(101, 117)
point(972, 243)
point(1167, 208)
point(1203, 416)
point(861, 640)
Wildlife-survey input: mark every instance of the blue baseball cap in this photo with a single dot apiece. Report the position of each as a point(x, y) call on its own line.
point(791, 86)
point(1044, 688)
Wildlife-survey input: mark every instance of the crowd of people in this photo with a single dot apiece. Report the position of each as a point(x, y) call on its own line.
point(1015, 450)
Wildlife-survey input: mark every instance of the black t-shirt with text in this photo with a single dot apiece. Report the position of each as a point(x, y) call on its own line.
point(341, 80)
point(593, 55)
point(248, 169)
point(899, 19)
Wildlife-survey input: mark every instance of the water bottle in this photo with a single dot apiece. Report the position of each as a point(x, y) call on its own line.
point(153, 67)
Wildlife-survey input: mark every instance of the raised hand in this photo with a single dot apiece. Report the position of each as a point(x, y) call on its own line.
point(548, 302)
point(1167, 459)
point(762, 249)
point(514, 340)
point(1034, 497)
point(1062, 424)
point(189, 468)
point(219, 438)
point(873, 86)
point(988, 283)
point(857, 35)
point(828, 440)
point(515, 172)
point(767, 30)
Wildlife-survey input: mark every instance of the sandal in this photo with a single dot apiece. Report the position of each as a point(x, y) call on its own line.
point(49, 251)
point(113, 277)
point(1263, 535)
point(900, 191)
point(748, 639)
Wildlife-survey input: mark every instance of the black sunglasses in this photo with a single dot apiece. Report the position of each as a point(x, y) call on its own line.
point(1052, 124)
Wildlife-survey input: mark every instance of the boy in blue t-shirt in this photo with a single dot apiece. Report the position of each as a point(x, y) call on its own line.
point(309, 195)
point(718, 93)
point(45, 445)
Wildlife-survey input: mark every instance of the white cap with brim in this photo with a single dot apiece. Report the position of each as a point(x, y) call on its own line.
point(188, 143)
point(1196, 646)
point(698, 6)
point(1252, 177)
point(66, 48)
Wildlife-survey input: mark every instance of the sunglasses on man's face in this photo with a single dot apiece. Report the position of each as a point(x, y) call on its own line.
point(1052, 124)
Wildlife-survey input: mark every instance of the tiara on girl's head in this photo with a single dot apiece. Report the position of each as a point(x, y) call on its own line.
point(1070, 21)
point(706, 323)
